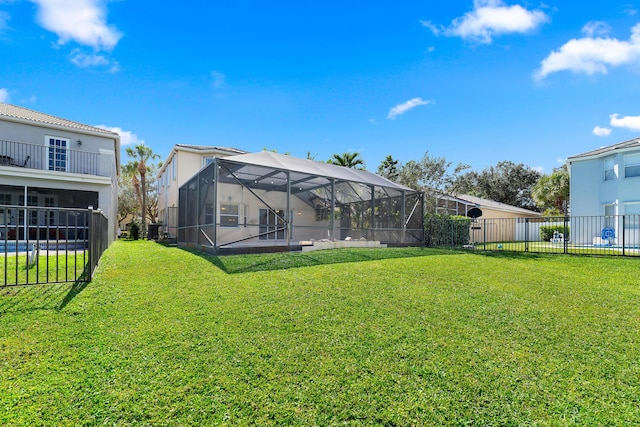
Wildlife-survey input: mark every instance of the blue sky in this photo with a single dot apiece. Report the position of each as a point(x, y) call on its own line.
point(475, 82)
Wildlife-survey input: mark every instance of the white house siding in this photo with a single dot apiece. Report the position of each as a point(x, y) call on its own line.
point(590, 193)
point(102, 180)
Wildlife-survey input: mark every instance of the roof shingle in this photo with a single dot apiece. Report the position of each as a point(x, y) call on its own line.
point(15, 112)
point(632, 143)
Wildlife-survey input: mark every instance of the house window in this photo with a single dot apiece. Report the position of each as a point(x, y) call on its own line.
point(273, 225)
point(58, 155)
point(173, 170)
point(322, 213)
point(632, 215)
point(206, 161)
point(229, 215)
point(609, 169)
point(609, 215)
point(632, 165)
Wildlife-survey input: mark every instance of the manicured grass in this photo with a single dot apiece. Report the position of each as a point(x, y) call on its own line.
point(399, 337)
point(558, 248)
point(53, 267)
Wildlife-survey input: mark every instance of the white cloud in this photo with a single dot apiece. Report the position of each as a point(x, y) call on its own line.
point(628, 122)
point(629, 10)
point(82, 21)
point(126, 137)
point(592, 55)
point(595, 28)
point(435, 29)
point(598, 131)
point(4, 19)
point(219, 80)
point(83, 60)
point(4, 95)
point(30, 100)
point(490, 18)
point(406, 106)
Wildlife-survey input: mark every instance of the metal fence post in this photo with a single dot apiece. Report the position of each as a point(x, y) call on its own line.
point(484, 234)
point(90, 243)
point(565, 241)
point(623, 241)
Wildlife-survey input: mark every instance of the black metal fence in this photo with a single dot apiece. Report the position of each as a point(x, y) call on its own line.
point(617, 235)
point(42, 245)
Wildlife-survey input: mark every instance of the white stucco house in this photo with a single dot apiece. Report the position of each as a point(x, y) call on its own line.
point(47, 161)
point(181, 164)
point(605, 183)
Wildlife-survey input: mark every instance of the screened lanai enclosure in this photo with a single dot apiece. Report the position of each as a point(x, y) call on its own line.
point(274, 201)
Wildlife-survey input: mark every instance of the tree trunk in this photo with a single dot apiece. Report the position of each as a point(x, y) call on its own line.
point(142, 168)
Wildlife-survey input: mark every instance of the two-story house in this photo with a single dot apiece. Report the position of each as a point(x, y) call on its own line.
point(48, 161)
point(606, 183)
point(182, 163)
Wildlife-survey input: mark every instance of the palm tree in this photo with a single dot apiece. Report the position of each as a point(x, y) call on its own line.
point(140, 154)
point(348, 160)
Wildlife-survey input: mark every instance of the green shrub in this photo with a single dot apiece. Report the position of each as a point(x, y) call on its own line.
point(445, 230)
point(134, 230)
point(546, 231)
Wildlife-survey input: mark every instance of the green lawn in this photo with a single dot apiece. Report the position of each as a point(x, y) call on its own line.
point(54, 267)
point(392, 337)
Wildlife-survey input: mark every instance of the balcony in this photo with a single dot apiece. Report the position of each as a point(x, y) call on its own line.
point(42, 157)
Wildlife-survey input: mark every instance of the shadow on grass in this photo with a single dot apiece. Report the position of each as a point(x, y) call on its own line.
point(25, 298)
point(251, 263)
point(513, 254)
point(42, 296)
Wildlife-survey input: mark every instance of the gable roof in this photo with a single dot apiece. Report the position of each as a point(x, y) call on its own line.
point(327, 170)
point(200, 149)
point(490, 204)
point(15, 113)
point(206, 148)
point(622, 146)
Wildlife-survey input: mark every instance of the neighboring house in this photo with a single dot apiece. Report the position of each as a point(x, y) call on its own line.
point(606, 183)
point(499, 222)
point(492, 210)
point(181, 164)
point(48, 161)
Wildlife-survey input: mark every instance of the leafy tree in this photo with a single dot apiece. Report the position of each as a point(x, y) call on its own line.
point(551, 192)
point(139, 165)
point(430, 173)
point(507, 182)
point(127, 199)
point(388, 168)
point(349, 160)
